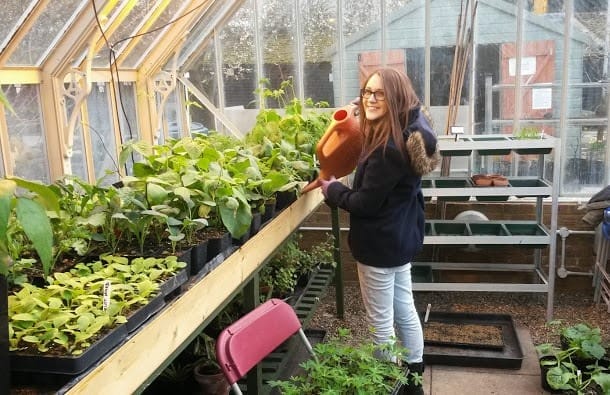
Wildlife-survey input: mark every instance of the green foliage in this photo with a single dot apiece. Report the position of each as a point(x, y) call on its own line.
point(586, 341)
point(286, 143)
point(528, 133)
point(291, 261)
point(341, 368)
point(563, 374)
point(30, 214)
point(70, 313)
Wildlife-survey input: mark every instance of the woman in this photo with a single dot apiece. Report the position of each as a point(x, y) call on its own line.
point(386, 206)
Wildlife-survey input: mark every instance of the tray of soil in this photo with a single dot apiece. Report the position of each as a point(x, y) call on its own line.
point(471, 339)
point(141, 315)
point(67, 363)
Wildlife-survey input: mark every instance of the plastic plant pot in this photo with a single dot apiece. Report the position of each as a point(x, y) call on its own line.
point(457, 152)
point(422, 274)
point(488, 229)
point(453, 183)
point(528, 183)
point(451, 229)
point(494, 151)
point(527, 230)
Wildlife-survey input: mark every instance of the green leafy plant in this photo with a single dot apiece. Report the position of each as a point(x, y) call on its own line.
point(341, 368)
point(584, 339)
point(528, 133)
point(291, 261)
point(563, 374)
point(70, 313)
point(30, 211)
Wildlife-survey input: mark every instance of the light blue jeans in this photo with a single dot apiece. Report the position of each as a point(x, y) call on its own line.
point(388, 298)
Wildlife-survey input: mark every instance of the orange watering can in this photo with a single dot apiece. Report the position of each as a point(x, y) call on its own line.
point(339, 148)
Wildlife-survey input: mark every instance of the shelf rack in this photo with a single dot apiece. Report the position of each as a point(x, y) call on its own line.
point(134, 364)
point(499, 233)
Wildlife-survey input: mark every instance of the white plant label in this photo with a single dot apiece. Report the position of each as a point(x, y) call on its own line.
point(107, 291)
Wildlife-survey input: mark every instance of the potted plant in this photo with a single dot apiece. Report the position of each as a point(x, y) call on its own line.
point(206, 370)
point(586, 342)
point(558, 373)
point(349, 369)
point(292, 265)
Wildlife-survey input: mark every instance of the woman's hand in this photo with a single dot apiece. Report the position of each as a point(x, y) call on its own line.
point(325, 183)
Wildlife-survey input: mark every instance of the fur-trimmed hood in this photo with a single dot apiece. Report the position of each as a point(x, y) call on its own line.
point(421, 142)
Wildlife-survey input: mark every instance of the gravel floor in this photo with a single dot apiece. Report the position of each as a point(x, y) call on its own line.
point(527, 310)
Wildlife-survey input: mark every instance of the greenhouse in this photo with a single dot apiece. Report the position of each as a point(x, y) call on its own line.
point(182, 180)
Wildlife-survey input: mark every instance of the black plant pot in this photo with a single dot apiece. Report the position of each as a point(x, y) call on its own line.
point(269, 212)
point(218, 244)
point(242, 240)
point(4, 357)
point(284, 199)
point(199, 257)
point(255, 226)
point(543, 371)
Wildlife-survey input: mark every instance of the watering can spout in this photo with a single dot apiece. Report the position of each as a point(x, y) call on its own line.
point(340, 147)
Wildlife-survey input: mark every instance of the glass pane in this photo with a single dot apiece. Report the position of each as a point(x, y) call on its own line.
point(239, 62)
point(52, 22)
point(361, 52)
point(319, 26)
point(103, 142)
point(78, 161)
point(585, 165)
point(26, 137)
point(145, 42)
point(278, 26)
point(203, 75)
point(542, 54)
point(239, 75)
point(171, 115)
point(128, 119)
point(12, 15)
point(127, 28)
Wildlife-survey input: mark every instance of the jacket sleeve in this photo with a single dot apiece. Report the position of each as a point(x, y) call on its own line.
point(382, 172)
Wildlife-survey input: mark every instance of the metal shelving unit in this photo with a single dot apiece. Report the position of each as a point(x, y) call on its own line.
point(532, 233)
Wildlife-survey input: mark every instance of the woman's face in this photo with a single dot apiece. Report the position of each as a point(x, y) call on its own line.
point(374, 108)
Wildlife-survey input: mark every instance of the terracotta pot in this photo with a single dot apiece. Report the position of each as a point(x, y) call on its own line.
point(213, 383)
point(482, 180)
point(340, 147)
point(499, 180)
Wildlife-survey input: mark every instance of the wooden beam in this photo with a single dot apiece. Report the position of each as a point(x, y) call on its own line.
point(135, 361)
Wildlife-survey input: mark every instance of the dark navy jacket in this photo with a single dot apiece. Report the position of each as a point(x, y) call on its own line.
point(386, 204)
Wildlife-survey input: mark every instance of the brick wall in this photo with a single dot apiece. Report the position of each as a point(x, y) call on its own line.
point(579, 251)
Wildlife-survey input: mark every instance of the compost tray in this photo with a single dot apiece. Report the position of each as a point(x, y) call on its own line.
point(146, 311)
point(509, 356)
point(68, 364)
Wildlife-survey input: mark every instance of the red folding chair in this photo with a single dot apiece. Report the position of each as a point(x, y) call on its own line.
point(247, 341)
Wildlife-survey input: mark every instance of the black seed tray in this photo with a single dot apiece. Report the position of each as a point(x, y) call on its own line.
point(140, 316)
point(68, 364)
point(509, 357)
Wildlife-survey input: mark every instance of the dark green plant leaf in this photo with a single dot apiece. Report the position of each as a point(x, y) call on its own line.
point(37, 227)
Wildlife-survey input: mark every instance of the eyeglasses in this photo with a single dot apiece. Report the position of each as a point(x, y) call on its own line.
point(367, 93)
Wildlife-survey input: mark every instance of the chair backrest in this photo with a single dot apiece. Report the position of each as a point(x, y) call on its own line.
point(247, 341)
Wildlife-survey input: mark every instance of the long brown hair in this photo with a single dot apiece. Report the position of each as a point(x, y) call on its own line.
point(400, 98)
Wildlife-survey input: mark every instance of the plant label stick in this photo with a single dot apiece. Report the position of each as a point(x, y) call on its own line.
point(106, 300)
